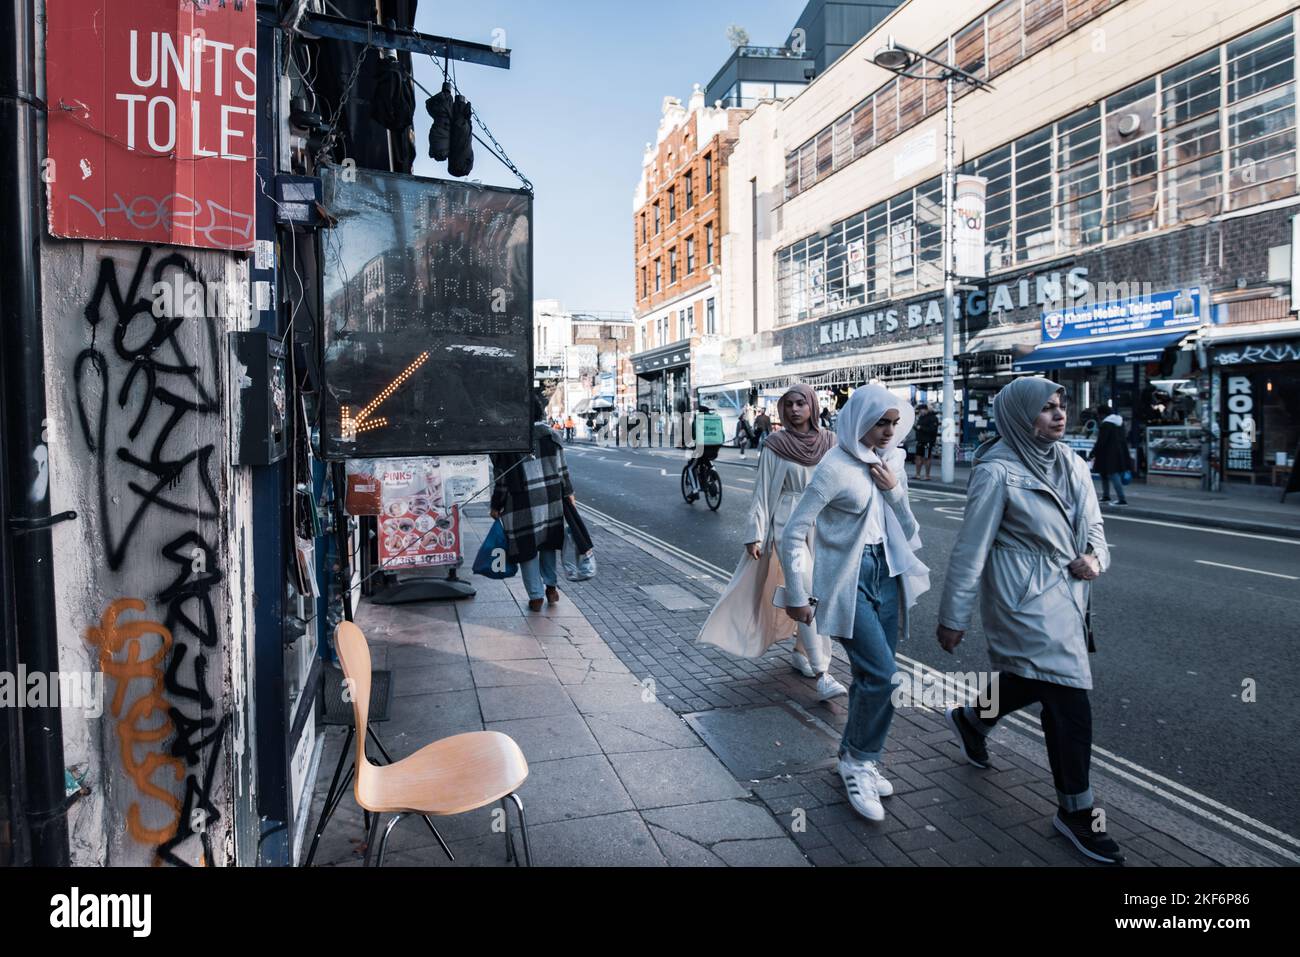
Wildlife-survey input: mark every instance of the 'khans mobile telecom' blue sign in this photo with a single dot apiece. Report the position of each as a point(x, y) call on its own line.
point(1159, 312)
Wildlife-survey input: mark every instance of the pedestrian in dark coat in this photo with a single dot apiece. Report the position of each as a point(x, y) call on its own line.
point(528, 498)
point(762, 428)
point(1110, 457)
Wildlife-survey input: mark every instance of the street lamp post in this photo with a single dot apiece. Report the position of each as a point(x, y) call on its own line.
point(901, 60)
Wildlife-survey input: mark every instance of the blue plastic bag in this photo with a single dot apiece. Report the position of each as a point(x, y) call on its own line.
point(491, 560)
point(1127, 477)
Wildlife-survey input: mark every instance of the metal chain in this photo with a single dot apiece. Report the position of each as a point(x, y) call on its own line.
point(343, 102)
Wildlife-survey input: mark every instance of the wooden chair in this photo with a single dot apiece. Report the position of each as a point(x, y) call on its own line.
point(451, 776)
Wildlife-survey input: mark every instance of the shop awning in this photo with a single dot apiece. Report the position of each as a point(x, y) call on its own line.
point(1099, 353)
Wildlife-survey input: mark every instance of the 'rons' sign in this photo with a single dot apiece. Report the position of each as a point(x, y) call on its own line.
point(152, 120)
point(1046, 289)
point(1240, 399)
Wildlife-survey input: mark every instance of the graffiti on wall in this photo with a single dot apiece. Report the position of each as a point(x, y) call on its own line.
point(149, 412)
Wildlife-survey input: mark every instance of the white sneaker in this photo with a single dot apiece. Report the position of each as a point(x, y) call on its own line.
point(800, 663)
point(828, 687)
point(883, 787)
point(861, 787)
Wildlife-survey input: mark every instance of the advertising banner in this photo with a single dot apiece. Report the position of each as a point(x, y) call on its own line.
point(419, 521)
point(152, 121)
point(968, 227)
point(1159, 312)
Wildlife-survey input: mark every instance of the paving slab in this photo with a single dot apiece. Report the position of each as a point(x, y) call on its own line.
point(572, 788)
point(680, 776)
point(549, 738)
point(716, 821)
point(525, 701)
point(641, 729)
point(761, 742)
point(612, 840)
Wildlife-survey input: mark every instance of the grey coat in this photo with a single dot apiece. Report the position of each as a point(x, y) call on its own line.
point(1013, 551)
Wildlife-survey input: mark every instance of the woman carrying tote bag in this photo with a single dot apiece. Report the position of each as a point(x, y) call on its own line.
point(866, 576)
point(1030, 546)
point(744, 622)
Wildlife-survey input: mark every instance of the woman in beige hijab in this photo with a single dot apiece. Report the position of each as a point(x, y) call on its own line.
point(745, 622)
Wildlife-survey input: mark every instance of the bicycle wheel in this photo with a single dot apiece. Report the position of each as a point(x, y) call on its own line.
point(713, 490)
point(686, 483)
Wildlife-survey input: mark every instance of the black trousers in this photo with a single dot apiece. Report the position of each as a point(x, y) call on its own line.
point(1067, 726)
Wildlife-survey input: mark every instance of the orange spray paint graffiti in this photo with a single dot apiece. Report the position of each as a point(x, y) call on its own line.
point(146, 722)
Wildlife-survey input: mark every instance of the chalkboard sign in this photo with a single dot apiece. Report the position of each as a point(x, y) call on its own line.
point(427, 292)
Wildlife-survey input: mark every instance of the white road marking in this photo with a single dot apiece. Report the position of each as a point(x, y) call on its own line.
point(1254, 571)
point(1200, 528)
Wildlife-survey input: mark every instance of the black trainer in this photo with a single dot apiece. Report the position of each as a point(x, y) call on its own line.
point(969, 740)
point(1077, 826)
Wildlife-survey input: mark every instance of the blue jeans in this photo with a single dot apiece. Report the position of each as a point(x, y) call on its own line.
point(1117, 482)
point(871, 658)
point(538, 572)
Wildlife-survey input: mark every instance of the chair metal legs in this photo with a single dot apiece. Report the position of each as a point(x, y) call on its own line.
point(331, 800)
point(338, 789)
point(511, 854)
point(383, 841)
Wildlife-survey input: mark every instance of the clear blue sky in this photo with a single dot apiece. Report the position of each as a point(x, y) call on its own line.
point(575, 109)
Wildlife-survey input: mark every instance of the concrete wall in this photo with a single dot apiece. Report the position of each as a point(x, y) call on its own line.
point(149, 578)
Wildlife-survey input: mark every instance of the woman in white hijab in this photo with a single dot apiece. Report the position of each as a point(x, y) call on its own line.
point(866, 577)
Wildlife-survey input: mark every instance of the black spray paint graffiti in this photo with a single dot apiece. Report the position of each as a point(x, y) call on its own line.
point(168, 483)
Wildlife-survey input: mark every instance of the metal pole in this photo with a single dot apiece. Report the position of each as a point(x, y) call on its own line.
point(948, 460)
point(22, 350)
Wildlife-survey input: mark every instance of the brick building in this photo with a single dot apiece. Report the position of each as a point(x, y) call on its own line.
point(1141, 191)
point(678, 221)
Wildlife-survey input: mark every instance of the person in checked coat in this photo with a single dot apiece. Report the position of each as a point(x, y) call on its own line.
point(528, 497)
point(1030, 546)
point(744, 622)
point(866, 576)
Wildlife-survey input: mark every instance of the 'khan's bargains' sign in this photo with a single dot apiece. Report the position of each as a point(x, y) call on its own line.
point(151, 122)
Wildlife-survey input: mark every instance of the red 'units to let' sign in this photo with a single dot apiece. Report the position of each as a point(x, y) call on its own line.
point(152, 120)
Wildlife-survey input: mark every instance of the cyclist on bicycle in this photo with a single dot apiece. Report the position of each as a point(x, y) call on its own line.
point(709, 438)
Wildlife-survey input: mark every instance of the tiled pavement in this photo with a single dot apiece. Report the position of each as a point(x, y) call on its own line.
point(595, 690)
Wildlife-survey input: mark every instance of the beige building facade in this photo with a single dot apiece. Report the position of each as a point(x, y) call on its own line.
point(1140, 158)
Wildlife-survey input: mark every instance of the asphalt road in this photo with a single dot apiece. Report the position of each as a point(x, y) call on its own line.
point(1179, 634)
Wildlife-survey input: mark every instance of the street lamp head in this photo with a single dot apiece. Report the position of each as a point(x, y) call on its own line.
point(892, 57)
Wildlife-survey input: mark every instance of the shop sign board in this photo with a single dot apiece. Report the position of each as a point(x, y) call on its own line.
point(1239, 417)
point(152, 121)
point(1159, 312)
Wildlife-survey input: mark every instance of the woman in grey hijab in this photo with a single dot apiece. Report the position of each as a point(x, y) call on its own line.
point(1030, 546)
